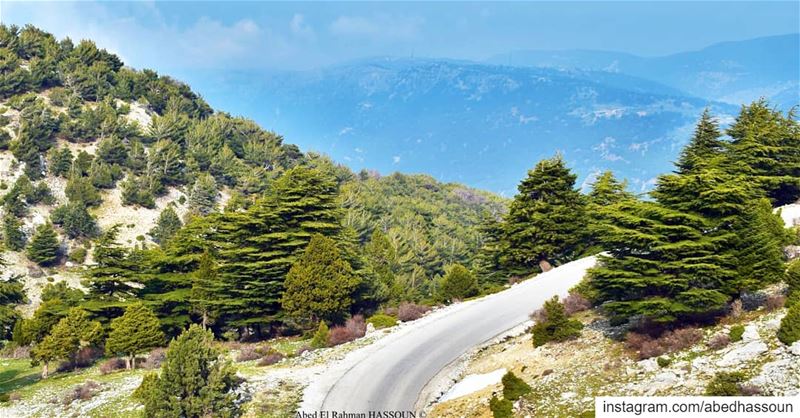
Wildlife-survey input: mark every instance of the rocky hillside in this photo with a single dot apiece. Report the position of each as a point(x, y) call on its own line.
point(566, 377)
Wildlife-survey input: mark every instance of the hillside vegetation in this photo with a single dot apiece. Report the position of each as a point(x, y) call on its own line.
point(135, 217)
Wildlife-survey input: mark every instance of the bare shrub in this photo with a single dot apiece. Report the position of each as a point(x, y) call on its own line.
point(248, 352)
point(736, 309)
point(774, 302)
point(112, 365)
point(270, 358)
point(719, 341)
point(391, 311)
point(82, 392)
point(87, 356)
point(574, 302)
point(14, 396)
point(670, 342)
point(355, 327)
point(155, 358)
point(681, 339)
point(514, 280)
point(15, 351)
point(408, 311)
point(538, 316)
point(749, 389)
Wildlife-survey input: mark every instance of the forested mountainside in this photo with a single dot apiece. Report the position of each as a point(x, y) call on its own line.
point(120, 181)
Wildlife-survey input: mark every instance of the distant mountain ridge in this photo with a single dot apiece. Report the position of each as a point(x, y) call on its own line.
point(733, 72)
point(479, 124)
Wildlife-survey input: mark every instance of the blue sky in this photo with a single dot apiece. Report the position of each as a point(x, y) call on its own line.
point(179, 36)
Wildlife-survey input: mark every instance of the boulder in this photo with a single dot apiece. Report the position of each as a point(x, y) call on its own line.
point(743, 353)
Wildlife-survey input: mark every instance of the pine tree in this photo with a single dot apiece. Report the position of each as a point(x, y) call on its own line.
point(203, 198)
point(81, 190)
point(320, 284)
point(488, 262)
point(135, 332)
point(13, 237)
point(556, 325)
point(75, 220)
point(705, 148)
point(607, 190)
point(792, 279)
point(110, 280)
point(44, 245)
point(12, 293)
point(766, 146)
point(71, 333)
point(167, 225)
point(112, 150)
point(546, 221)
point(60, 161)
point(759, 247)
point(459, 283)
point(195, 381)
point(662, 264)
point(206, 290)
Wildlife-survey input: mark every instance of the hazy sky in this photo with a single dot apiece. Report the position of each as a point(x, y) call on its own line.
point(177, 36)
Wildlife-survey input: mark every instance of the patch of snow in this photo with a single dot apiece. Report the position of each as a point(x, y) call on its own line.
point(790, 214)
point(473, 383)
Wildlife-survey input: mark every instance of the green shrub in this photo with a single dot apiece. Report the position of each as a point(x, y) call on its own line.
point(663, 361)
point(789, 332)
point(459, 283)
point(382, 321)
point(501, 408)
point(736, 333)
point(320, 339)
point(514, 387)
point(555, 324)
point(725, 384)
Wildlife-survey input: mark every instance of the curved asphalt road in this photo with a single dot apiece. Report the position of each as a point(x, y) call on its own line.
point(390, 374)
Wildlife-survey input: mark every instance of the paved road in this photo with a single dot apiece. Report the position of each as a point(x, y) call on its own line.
point(390, 374)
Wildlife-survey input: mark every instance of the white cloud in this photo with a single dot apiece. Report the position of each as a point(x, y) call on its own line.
point(606, 149)
point(381, 26)
point(301, 29)
point(396, 159)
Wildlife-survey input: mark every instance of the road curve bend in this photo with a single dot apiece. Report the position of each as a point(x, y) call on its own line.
point(389, 374)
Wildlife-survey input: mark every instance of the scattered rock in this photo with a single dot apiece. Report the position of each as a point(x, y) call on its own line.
point(743, 353)
point(795, 348)
point(750, 333)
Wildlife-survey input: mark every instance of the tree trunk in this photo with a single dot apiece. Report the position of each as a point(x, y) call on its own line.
point(133, 361)
point(545, 266)
point(127, 363)
point(205, 320)
point(44, 371)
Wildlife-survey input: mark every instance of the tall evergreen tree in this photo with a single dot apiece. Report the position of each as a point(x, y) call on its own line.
point(60, 161)
point(70, 334)
point(44, 245)
point(206, 289)
point(12, 294)
point(167, 225)
point(203, 198)
point(546, 221)
point(135, 332)
point(766, 147)
point(13, 237)
point(661, 265)
point(75, 220)
point(110, 280)
point(705, 149)
point(320, 284)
